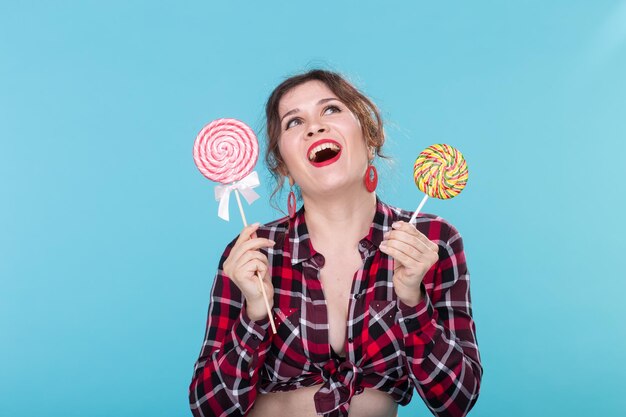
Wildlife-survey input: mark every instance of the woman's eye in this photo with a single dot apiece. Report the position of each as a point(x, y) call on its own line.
point(331, 109)
point(292, 122)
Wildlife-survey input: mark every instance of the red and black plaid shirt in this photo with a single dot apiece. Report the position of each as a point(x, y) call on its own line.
point(390, 347)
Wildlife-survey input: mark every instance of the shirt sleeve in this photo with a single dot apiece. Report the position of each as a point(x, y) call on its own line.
point(440, 336)
point(226, 373)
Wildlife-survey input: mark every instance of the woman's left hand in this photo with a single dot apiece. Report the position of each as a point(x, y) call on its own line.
point(414, 255)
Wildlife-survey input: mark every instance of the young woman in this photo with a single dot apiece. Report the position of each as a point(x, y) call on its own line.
point(367, 306)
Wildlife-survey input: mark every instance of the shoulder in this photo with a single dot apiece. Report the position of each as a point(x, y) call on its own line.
point(274, 230)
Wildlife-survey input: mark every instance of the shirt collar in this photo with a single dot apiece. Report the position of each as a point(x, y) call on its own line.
point(301, 249)
point(299, 243)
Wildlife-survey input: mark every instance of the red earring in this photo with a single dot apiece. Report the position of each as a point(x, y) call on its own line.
point(371, 178)
point(291, 203)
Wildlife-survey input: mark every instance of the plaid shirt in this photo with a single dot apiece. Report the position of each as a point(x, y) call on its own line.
point(390, 346)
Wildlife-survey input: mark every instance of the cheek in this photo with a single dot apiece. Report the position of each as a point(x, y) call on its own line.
point(286, 150)
point(357, 121)
point(355, 127)
point(282, 145)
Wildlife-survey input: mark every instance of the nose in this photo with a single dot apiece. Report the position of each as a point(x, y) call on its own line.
point(312, 131)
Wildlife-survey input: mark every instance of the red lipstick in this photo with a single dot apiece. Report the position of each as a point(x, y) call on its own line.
point(332, 150)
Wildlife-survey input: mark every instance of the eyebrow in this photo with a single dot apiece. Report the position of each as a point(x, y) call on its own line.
point(296, 110)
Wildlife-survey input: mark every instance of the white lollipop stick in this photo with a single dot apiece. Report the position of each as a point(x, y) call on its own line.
point(267, 304)
point(243, 216)
point(414, 216)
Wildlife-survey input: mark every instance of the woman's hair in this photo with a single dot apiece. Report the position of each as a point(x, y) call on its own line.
point(363, 108)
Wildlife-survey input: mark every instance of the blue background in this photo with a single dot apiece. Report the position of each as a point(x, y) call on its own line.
point(109, 236)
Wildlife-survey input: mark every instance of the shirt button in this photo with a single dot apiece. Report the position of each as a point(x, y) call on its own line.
point(350, 340)
point(356, 296)
point(358, 391)
point(319, 260)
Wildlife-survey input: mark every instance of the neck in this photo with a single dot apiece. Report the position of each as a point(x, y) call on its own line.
point(347, 216)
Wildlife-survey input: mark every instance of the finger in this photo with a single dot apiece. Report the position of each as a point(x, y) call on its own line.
point(412, 241)
point(252, 256)
point(412, 230)
point(233, 264)
point(256, 270)
point(255, 267)
point(399, 256)
point(246, 232)
point(424, 246)
point(257, 243)
point(248, 270)
point(254, 273)
point(407, 255)
point(244, 236)
point(406, 227)
point(250, 245)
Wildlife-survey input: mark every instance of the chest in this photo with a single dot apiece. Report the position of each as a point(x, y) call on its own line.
point(337, 278)
point(341, 302)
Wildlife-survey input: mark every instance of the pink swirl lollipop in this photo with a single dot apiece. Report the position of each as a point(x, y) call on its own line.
point(226, 150)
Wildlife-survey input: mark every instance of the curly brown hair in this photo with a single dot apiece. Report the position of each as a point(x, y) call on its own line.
point(363, 108)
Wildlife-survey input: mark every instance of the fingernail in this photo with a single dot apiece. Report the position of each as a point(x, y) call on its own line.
point(395, 225)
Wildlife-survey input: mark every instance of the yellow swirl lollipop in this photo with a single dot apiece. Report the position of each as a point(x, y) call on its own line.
point(440, 171)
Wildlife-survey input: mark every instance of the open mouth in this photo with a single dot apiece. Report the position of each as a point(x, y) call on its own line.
point(324, 152)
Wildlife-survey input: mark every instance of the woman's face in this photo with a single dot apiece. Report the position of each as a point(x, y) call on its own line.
point(321, 140)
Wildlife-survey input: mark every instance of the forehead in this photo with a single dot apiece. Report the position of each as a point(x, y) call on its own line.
point(308, 93)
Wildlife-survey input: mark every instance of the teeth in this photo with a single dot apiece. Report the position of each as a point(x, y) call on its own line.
point(323, 146)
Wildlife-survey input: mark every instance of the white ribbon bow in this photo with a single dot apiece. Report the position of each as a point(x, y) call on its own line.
point(245, 185)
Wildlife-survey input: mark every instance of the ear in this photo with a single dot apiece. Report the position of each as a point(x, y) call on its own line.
point(371, 152)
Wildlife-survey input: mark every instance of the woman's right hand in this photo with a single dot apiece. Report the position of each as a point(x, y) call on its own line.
point(242, 265)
